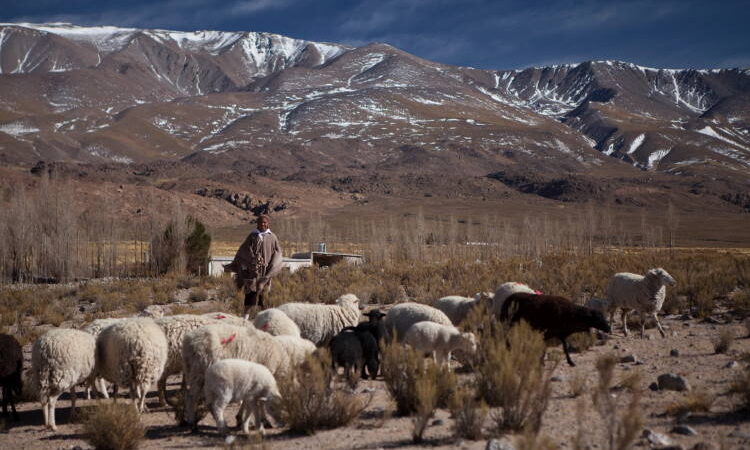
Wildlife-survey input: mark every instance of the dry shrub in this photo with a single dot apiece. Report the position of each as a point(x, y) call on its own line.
point(426, 398)
point(620, 431)
point(469, 414)
point(198, 295)
point(694, 401)
point(512, 376)
point(532, 440)
point(404, 369)
point(113, 426)
point(724, 340)
point(177, 402)
point(577, 383)
point(309, 400)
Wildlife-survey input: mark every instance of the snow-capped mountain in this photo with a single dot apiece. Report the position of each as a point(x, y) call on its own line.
point(300, 107)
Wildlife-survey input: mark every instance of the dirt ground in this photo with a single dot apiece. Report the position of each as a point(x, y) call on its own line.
point(378, 428)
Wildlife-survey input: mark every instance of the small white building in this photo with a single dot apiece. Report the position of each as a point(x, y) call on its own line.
point(216, 264)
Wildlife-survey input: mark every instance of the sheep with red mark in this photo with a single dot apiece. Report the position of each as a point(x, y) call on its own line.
point(555, 317)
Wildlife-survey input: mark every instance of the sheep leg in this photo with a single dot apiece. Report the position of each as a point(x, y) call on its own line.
point(52, 404)
point(192, 396)
point(217, 410)
point(658, 325)
point(12, 400)
point(567, 352)
point(260, 415)
point(624, 316)
point(643, 323)
point(240, 414)
point(72, 402)
point(101, 387)
point(246, 411)
point(161, 386)
point(142, 391)
point(45, 409)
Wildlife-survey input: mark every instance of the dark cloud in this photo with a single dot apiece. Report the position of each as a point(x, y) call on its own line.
point(486, 34)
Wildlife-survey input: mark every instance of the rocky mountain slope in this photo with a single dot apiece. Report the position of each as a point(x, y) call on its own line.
point(350, 117)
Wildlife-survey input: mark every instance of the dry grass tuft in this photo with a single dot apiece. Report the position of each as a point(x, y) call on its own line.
point(724, 341)
point(426, 394)
point(512, 376)
point(620, 430)
point(114, 426)
point(695, 401)
point(469, 414)
point(309, 400)
point(577, 383)
point(404, 369)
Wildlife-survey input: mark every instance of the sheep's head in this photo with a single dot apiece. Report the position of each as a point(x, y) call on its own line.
point(597, 320)
point(349, 301)
point(469, 343)
point(662, 275)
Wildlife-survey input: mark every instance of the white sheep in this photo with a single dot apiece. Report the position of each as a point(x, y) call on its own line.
point(504, 291)
point(598, 304)
point(296, 347)
point(61, 358)
point(439, 340)
point(209, 344)
point(319, 323)
point(275, 322)
point(94, 328)
point(457, 307)
point(175, 328)
point(132, 353)
point(633, 292)
point(401, 317)
point(236, 380)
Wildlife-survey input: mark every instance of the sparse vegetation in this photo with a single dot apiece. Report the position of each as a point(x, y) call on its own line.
point(404, 369)
point(113, 426)
point(577, 383)
point(513, 377)
point(694, 401)
point(311, 402)
point(724, 340)
point(469, 414)
point(621, 428)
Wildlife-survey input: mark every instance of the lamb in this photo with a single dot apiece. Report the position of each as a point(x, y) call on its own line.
point(132, 353)
point(556, 317)
point(175, 328)
point(61, 359)
point(11, 366)
point(402, 316)
point(318, 322)
point(645, 294)
point(439, 340)
point(276, 322)
point(356, 350)
point(374, 324)
point(457, 307)
point(209, 344)
point(504, 291)
point(236, 380)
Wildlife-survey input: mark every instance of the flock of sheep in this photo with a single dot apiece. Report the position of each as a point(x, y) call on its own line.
point(225, 359)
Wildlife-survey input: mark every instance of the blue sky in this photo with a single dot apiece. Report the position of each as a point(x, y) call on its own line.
point(498, 34)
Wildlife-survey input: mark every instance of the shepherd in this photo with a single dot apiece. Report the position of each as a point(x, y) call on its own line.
point(257, 261)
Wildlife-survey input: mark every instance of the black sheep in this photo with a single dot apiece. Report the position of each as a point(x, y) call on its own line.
point(556, 317)
point(11, 365)
point(356, 348)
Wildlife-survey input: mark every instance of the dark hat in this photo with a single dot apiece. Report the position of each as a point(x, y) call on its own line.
point(374, 312)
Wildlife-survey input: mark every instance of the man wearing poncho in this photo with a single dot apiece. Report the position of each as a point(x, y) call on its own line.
point(257, 261)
